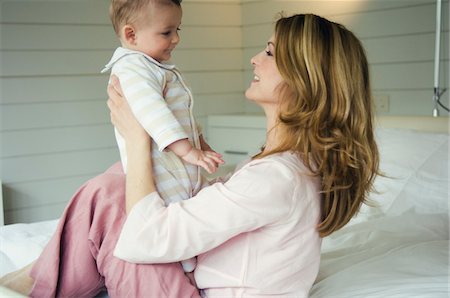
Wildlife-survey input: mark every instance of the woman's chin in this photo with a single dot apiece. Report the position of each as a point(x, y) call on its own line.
point(248, 95)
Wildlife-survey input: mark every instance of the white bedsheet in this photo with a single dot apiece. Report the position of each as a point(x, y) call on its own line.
point(400, 256)
point(400, 248)
point(20, 244)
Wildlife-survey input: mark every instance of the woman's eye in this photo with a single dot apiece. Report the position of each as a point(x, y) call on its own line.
point(269, 53)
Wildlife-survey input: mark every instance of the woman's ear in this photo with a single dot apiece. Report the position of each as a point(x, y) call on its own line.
point(129, 34)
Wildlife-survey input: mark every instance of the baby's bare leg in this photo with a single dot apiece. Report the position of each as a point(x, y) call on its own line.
point(19, 281)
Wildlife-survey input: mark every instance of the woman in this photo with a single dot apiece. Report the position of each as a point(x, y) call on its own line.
point(259, 233)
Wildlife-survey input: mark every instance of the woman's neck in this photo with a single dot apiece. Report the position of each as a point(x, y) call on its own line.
point(271, 129)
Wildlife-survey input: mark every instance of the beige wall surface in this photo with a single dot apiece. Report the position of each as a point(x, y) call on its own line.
point(54, 125)
point(55, 131)
point(399, 37)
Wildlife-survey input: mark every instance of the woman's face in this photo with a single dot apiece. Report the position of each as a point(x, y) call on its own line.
point(263, 88)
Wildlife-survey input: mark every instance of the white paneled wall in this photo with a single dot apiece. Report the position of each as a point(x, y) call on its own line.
point(210, 55)
point(54, 124)
point(55, 132)
point(397, 34)
point(2, 214)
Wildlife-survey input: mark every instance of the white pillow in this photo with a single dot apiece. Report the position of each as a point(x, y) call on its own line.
point(416, 165)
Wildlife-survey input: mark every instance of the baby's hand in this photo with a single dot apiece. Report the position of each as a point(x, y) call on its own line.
point(209, 160)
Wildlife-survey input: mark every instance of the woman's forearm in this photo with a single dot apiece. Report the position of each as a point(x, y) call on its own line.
point(139, 179)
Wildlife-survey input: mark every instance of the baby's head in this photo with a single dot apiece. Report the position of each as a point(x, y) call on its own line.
point(148, 26)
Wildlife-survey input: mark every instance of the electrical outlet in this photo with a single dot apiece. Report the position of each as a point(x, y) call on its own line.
point(381, 103)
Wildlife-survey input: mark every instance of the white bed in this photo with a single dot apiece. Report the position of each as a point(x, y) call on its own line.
point(400, 248)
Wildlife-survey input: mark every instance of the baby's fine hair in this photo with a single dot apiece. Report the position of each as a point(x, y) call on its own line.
point(122, 12)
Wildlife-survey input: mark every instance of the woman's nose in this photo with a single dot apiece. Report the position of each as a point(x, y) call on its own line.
point(254, 60)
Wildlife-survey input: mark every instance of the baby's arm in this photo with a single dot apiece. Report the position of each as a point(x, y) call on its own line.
point(209, 160)
point(203, 145)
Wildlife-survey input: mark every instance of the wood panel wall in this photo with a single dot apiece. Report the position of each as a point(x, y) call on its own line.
point(399, 37)
point(54, 124)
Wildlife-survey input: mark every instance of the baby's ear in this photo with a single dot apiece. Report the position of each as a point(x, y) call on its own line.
point(129, 34)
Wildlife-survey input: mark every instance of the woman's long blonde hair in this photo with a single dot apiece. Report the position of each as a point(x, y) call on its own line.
point(326, 112)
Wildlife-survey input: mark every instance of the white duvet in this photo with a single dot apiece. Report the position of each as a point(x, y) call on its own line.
point(401, 256)
point(400, 248)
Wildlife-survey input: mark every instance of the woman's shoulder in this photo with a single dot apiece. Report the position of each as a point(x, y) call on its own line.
point(284, 170)
point(283, 176)
point(288, 162)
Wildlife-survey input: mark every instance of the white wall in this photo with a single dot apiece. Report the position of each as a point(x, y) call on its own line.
point(54, 125)
point(398, 35)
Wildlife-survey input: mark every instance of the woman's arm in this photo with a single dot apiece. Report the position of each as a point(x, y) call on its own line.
point(139, 179)
point(259, 194)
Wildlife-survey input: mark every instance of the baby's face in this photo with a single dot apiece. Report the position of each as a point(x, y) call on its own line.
point(157, 35)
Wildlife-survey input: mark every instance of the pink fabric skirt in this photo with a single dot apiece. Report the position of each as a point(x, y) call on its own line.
point(78, 261)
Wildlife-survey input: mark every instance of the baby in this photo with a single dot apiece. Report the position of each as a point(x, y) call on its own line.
point(159, 97)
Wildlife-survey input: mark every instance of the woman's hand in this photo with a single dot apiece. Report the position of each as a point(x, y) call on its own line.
point(121, 115)
point(139, 178)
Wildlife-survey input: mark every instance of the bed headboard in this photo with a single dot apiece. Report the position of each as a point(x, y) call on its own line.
point(421, 123)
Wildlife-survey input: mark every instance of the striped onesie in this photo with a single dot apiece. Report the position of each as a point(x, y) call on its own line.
point(162, 103)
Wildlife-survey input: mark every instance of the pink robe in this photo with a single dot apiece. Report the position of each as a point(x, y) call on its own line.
point(78, 261)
